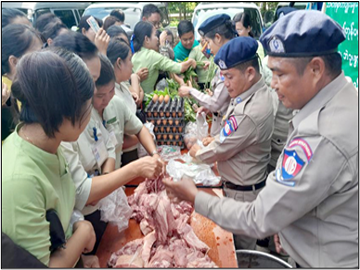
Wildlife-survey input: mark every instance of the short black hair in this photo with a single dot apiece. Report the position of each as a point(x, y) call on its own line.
point(109, 21)
point(9, 14)
point(333, 63)
point(44, 19)
point(142, 29)
point(184, 27)
point(118, 13)
point(117, 49)
point(76, 43)
point(115, 31)
point(51, 89)
point(16, 40)
point(227, 30)
point(245, 20)
point(254, 62)
point(149, 9)
point(107, 74)
point(52, 29)
point(83, 23)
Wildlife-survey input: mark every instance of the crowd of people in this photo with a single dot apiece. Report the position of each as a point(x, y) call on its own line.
point(282, 131)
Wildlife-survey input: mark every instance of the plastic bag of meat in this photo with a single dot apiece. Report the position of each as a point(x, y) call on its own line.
point(200, 173)
point(115, 209)
point(168, 152)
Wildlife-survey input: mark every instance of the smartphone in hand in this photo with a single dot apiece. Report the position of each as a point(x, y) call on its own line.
point(93, 24)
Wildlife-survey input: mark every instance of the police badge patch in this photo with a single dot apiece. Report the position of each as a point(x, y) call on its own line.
point(222, 64)
point(276, 45)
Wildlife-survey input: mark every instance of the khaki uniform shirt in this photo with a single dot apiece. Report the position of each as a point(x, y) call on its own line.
point(82, 162)
point(120, 120)
point(217, 103)
point(155, 62)
point(312, 197)
point(242, 148)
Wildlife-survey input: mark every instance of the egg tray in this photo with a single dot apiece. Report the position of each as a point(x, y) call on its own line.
point(179, 143)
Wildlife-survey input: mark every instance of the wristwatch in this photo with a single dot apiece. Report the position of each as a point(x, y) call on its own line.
point(154, 152)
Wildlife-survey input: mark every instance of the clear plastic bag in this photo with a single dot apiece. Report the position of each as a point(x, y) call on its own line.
point(115, 209)
point(200, 173)
point(141, 150)
point(168, 152)
point(196, 132)
point(75, 217)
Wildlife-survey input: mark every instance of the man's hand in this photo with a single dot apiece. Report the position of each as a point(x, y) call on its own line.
point(102, 40)
point(278, 247)
point(209, 92)
point(194, 150)
point(184, 190)
point(206, 141)
point(150, 167)
point(143, 73)
point(203, 109)
point(90, 261)
point(184, 91)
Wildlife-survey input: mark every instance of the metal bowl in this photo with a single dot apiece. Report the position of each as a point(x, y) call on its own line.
point(258, 259)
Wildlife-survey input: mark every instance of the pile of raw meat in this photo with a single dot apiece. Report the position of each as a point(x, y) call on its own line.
point(169, 240)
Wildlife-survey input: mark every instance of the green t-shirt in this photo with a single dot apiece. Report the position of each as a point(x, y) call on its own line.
point(198, 56)
point(181, 52)
point(154, 61)
point(34, 181)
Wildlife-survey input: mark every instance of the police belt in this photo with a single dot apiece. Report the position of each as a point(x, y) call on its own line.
point(257, 186)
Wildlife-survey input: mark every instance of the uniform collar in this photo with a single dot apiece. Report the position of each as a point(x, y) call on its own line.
point(320, 99)
point(248, 92)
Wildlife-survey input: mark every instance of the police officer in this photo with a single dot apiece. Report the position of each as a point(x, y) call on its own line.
point(217, 31)
point(242, 147)
point(312, 197)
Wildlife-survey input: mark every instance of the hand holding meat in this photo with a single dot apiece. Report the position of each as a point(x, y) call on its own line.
point(150, 167)
point(185, 189)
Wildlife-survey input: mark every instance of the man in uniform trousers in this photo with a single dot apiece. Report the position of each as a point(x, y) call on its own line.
point(311, 199)
point(242, 148)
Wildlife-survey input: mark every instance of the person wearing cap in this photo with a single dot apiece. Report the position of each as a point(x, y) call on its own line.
point(217, 31)
point(311, 199)
point(242, 147)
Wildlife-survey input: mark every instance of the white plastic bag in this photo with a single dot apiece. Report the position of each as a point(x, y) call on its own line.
point(115, 209)
point(196, 132)
point(141, 150)
point(168, 152)
point(75, 217)
point(200, 173)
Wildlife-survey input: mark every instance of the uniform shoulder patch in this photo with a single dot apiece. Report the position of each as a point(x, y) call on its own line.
point(304, 146)
point(230, 127)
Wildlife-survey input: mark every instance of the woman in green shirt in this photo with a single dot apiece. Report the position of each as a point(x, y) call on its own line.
point(145, 44)
point(56, 104)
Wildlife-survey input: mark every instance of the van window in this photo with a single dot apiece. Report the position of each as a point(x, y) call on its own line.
point(67, 17)
point(81, 11)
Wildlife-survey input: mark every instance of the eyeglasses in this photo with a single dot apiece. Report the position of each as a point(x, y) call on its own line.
point(156, 24)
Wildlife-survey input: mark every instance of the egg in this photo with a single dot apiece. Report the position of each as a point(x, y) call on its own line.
point(161, 99)
point(167, 98)
point(155, 98)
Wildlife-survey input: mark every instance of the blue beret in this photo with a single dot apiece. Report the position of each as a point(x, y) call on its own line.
point(302, 33)
point(236, 51)
point(213, 22)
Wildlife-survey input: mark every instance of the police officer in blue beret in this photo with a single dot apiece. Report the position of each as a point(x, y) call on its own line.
point(217, 31)
point(242, 147)
point(311, 199)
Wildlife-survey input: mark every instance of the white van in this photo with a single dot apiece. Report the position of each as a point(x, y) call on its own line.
point(207, 9)
point(132, 11)
point(69, 12)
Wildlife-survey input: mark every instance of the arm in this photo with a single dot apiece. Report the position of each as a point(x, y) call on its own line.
point(130, 141)
point(187, 64)
point(146, 140)
point(109, 164)
point(82, 240)
point(244, 136)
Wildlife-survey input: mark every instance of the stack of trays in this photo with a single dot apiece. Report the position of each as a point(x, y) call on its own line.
point(168, 120)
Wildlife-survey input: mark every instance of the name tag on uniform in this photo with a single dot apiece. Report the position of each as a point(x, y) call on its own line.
point(100, 152)
point(113, 139)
